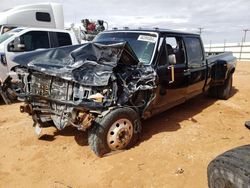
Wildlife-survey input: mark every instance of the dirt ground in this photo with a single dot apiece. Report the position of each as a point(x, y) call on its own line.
point(174, 150)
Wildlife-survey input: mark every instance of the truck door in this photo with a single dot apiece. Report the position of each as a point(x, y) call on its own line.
point(34, 40)
point(196, 65)
point(173, 80)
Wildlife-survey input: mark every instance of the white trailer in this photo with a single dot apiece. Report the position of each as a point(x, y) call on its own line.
point(45, 15)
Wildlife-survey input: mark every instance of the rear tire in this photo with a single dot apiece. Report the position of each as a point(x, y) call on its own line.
point(230, 169)
point(118, 130)
point(224, 91)
point(213, 92)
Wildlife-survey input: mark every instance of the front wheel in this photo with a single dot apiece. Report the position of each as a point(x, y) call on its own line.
point(117, 130)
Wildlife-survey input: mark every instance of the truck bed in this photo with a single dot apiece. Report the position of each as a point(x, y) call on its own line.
point(220, 56)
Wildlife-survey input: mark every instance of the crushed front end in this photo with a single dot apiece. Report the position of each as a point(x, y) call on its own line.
point(65, 87)
point(48, 98)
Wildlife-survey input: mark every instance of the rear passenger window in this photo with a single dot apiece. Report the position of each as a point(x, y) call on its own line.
point(60, 39)
point(64, 39)
point(194, 50)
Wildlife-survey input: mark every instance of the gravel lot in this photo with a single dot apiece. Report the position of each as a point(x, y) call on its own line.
point(174, 150)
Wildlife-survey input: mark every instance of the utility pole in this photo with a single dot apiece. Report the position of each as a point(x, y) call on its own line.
point(210, 45)
point(200, 30)
point(243, 40)
point(245, 34)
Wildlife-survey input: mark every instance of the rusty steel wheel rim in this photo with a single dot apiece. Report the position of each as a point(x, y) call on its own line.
point(120, 134)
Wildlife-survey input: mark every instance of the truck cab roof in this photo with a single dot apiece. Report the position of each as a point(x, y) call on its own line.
point(40, 29)
point(155, 30)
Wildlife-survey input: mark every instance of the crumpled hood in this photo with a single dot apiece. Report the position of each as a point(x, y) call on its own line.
point(91, 64)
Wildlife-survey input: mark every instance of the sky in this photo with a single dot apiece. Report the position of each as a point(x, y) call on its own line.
point(221, 20)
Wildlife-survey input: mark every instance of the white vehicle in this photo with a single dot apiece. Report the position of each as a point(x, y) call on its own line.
point(21, 40)
point(45, 15)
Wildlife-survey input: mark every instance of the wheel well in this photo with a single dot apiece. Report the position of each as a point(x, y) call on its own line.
point(232, 71)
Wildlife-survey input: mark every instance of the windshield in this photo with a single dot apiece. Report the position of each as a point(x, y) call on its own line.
point(5, 36)
point(143, 44)
point(9, 34)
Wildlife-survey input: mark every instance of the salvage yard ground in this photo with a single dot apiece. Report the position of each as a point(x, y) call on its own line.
point(174, 151)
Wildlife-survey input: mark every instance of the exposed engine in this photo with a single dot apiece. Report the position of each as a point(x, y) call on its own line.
point(64, 102)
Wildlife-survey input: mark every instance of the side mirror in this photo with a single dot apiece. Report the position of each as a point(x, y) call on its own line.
point(16, 46)
point(11, 46)
point(172, 59)
point(21, 47)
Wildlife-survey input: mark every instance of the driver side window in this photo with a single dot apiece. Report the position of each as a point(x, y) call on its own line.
point(175, 45)
point(35, 39)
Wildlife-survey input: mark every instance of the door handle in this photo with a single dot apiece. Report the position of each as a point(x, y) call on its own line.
point(172, 73)
point(187, 72)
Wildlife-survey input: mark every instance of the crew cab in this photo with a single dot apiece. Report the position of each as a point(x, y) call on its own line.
point(108, 86)
point(24, 39)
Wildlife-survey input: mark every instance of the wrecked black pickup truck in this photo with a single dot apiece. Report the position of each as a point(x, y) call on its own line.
point(109, 85)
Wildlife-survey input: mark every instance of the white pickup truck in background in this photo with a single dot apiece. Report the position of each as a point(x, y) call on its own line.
point(22, 40)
